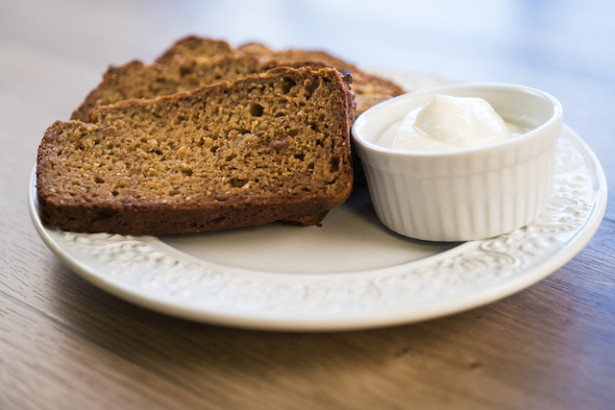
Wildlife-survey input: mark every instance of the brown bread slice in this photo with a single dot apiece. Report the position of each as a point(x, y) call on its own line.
point(264, 148)
point(133, 80)
point(136, 80)
point(195, 61)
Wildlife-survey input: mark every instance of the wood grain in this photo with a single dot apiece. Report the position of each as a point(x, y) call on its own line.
point(66, 344)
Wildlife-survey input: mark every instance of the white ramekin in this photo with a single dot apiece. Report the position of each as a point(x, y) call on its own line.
point(463, 194)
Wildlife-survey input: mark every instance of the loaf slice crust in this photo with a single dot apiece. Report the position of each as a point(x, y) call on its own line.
point(264, 148)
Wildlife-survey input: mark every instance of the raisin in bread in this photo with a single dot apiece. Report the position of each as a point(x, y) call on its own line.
point(264, 148)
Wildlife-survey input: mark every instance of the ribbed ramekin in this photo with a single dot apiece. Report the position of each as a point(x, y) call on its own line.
point(462, 194)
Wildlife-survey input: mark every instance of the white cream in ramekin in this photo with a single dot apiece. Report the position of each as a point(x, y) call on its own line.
point(468, 193)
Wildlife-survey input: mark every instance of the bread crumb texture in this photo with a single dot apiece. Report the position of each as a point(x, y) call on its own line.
point(267, 147)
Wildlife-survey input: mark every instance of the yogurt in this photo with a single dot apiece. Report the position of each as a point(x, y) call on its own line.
point(448, 123)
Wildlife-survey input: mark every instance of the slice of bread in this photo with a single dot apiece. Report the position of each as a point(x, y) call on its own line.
point(195, 61)
point(264, 148)
point(135, 80)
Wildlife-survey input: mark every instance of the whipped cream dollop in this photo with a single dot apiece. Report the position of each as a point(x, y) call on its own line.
point(447, 123)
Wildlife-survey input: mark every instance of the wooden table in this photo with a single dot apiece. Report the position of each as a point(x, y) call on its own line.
point(66, 344)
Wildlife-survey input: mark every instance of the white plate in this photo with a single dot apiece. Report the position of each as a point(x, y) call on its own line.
point(350, 273)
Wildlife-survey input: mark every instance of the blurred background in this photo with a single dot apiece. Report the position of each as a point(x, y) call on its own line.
point(564, 47)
